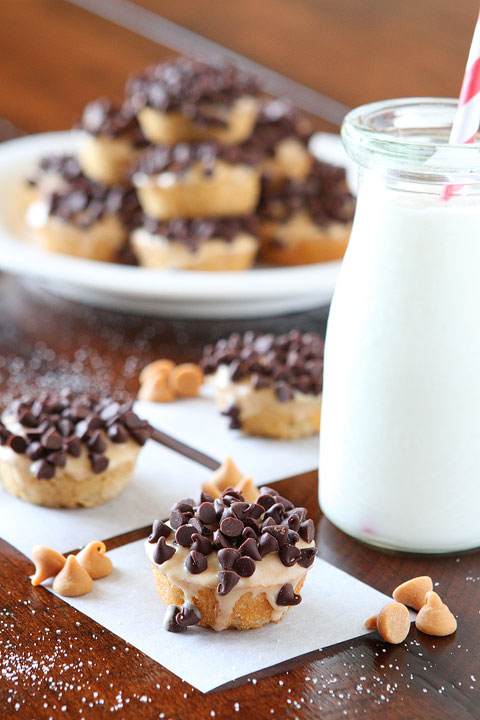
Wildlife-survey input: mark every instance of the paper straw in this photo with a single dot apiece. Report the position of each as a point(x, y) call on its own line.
point(467, 117)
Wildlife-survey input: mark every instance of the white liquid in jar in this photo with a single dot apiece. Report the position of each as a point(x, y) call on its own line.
point(400, 430)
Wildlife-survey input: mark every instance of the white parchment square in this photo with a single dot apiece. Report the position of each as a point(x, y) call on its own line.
point(198, 423)
point(334, 608)
point(161, 477)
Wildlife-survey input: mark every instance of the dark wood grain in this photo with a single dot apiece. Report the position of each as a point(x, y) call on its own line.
point(54, 661)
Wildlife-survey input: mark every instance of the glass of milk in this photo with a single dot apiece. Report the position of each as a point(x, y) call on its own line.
point(400, 429)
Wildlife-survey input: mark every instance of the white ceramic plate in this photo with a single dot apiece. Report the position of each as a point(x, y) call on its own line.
point(257, 292)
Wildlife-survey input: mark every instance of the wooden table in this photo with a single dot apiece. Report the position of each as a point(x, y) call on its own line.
point(57, 663)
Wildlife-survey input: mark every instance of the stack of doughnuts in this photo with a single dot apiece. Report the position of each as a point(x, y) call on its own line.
point(194, 171)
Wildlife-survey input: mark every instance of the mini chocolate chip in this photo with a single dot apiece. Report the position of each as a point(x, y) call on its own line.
point(140, 435)
point(239, 509)
point(220, 541)
point(74, 447)
point(268, 491)
point(267, 544)
point(35, 451)
point(98, 462)
point(293, 522)
point(109, 411)
point(176, 519)
point(185, 505)
point(27, 419)
point(275, 512)
point(249, 532)
point(268, 523)
point(188, 615)
point(205, 497)
point(265, 500)
point(43, 470)
point(196, 562)
point(201, 543)
point(300, 511)
point(231, 527)
point(283, 391)
point(250, 548)
point(227, 579)
point(132, 421)
point(65, 427)
point(170, 620)
point(229, 495)
point(219, 506)
point(286, 596)
point(58, 458)
point(163, 552)
point(307, 530)
point(52, 440)
point(289, 554)
point(227, 558)
point(307, 556)
point(255, 511)
point(82, 429)
point(183, 535)
point(206, 513)
point(117, 433)
point(17, 443)
point(244, 566)
point(259, 382)
point(159, 529)
point(195, 523)
point(283, 501)
point(96, 443)
point(279, 532)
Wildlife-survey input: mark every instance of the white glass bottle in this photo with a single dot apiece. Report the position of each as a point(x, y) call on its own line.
point(400, 429)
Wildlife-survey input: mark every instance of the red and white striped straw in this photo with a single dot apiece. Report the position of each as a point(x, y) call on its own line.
point(467, 117)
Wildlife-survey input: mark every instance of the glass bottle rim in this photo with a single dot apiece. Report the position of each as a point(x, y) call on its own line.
point(407, 138)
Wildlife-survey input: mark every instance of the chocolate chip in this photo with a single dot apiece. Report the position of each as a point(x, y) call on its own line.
point(58, 458)
point(117, 433)
point(283, 501)
point(201, 543)
point(170, 620)
point(206, 513)
point(188, 615)
point(300, 511)
point(227, 579)
point(140, 435)
point(293, 522)
point(74, 447)
point(307, 530)
point(244, 566)
point(159, 529)
point(267, 544)
point(65, 427)
point(17, 443)
point(194, 523)
point(183, 535)
point(275, 512)
point(196, 562)
point(249, 532)
point(265, 500)
point(289, 554)
point(27, 419)
point(96, 443)
point(220, 541)
point(287, 597)
point(176, 519)
point(250, 548)
point(268, 523)
point(162, 552)
point(51, 440)
point(132, 421)
point(231, 527)
point(227, 558)
point(239, 509)
point(98, 462)
point(35, 451)
point(205, 497)
point(307, 556)
point(279, 532)
point(43, 470)
point(109, 411)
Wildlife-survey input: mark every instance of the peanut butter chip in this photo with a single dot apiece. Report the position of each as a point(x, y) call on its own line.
point(248, 489)
point(371, 623)
point(393, 622)
point(434, 618)
point(412, 592)
point(93, 559)
point(227, 475)
point(155, 389)
point(48, 563)
point(155, 369)
point(73, 579)
point(185, 380)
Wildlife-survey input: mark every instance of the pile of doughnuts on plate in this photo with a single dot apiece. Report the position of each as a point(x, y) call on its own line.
point(194, 170)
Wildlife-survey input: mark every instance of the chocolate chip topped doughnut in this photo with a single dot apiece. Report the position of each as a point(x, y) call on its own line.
point(185, 100)
point(197, 180)
point(309, 220)
point(266, 384)
point(67, 449)
point(199, 244)
point(113, 137)
point(238, 564)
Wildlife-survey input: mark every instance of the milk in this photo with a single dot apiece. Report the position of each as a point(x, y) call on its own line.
point(400, 428)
